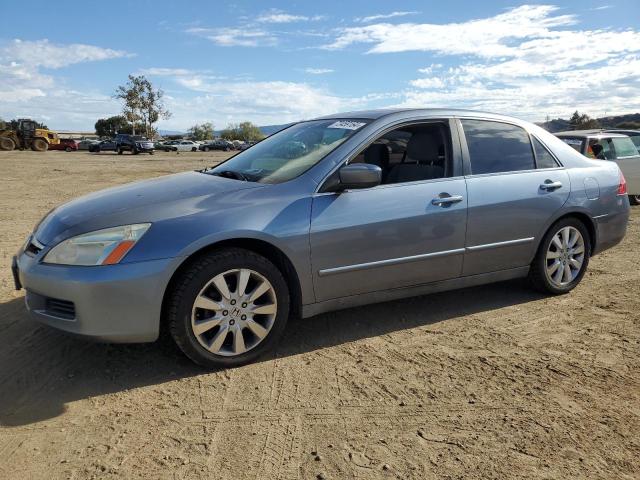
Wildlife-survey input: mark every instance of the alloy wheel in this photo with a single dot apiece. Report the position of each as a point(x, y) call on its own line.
point(565, 256)
point(234, 312)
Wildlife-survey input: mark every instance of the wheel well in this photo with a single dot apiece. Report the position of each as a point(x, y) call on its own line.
point(588, 223)
point(267, 250)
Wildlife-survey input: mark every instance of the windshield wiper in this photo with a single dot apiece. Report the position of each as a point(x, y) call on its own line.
point(231, 174)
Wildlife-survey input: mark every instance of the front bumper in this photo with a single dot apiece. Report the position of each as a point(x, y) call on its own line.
point(114, 303)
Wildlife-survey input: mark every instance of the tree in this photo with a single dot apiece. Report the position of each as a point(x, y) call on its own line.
point(141, 103)
point(201, 132)
point(582, 121)
point(245, 131)
point(108, 127)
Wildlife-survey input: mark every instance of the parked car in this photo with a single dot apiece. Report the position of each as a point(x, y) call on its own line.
point(186, 146)
point(246, 145)
point(133, 143)
point(634, 135)
point(217, 145)
point(66, 144)
point(103, 146)
point(85, 144)
point(609, 146)
point(170, 146)
point(223, 256)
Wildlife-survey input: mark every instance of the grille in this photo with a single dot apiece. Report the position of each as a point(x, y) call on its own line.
point(60, 308)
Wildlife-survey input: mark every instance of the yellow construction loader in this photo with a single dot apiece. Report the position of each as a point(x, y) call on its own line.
point(28, 135)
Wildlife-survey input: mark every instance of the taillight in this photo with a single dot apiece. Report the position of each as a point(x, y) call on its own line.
point(622, 186)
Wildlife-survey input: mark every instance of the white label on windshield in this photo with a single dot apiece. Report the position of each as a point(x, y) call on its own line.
point(346, 125)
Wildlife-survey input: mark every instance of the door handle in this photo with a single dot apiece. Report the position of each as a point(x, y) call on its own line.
point(549, 185)
point(445, 199)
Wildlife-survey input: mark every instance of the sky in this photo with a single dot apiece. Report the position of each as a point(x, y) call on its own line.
point(274, 62)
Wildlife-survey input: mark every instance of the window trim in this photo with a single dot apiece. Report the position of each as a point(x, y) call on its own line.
point(456, 153)
point(466, 157)
point(535, 156)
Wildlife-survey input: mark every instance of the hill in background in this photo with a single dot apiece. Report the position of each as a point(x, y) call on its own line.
point(631, 120)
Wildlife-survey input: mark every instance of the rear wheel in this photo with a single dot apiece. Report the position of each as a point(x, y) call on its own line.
point(634, 199)
point(194, 149)
point(228, 308)
point(206, 149)
point(7, 144)
point(67, 149)
point(562, 258)
point(39, 145)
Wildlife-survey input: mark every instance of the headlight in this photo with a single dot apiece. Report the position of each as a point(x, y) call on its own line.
point(102, 247)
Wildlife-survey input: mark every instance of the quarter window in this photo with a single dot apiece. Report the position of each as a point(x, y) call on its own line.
point(497, 147)
point(543, 158)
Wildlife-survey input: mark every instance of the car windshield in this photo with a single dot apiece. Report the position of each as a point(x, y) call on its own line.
point(290, 152)
point(138, 137)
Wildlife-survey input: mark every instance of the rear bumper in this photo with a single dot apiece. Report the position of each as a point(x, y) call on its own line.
point(612, 227)
point(115, 303)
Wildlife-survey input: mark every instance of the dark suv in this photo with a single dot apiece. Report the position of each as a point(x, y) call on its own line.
point(133, 143)
point(219, 144)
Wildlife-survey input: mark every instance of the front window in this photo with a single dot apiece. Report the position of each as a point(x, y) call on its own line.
point(290, 152)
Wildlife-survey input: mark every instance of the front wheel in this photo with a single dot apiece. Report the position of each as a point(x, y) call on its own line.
point(634, 199)
point(228, 308)
point(194, 149)
point(206, 149)
point(562, 258)
point(39, 145)
point(120, 151)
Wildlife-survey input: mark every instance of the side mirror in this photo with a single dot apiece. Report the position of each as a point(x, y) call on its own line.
point(359, 175)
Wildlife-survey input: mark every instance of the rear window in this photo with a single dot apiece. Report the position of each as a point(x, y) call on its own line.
point(574, 143)
point(497, 147)
point(544, 159)
point(624, 147)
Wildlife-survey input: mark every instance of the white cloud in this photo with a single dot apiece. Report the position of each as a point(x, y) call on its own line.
point(488, 37)
point(42, 53)
point(166, 72)
point(318, 71)
point(25, 91)
point(372, 18)
point(528, 61)
point(236, 37)
point(279, 16)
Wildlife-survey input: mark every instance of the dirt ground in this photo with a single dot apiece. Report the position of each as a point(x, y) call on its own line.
point(489, 382)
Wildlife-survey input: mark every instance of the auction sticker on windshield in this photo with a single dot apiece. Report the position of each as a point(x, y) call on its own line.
point(346, 125)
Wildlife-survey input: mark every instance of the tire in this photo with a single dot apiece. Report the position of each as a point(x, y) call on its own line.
point(68, 149)
point(226, 149)
point(151, 152)
point(7, 144)
point(39, 145)
point(540, 274)
point(197, 283)
point(634, 199)
point(194, 149)
point(135, 151)
point(206, 149)
point(119, 151)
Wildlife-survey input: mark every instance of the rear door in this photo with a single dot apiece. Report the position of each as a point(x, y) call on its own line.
point(514, 186)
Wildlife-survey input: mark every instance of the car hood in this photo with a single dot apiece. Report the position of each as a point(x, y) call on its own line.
point(138, 202)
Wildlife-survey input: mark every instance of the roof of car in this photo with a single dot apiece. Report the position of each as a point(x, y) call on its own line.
point(382, 112)
point(588, 133)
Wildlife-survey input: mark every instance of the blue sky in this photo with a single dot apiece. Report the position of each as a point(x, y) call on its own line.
point(276, 62)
